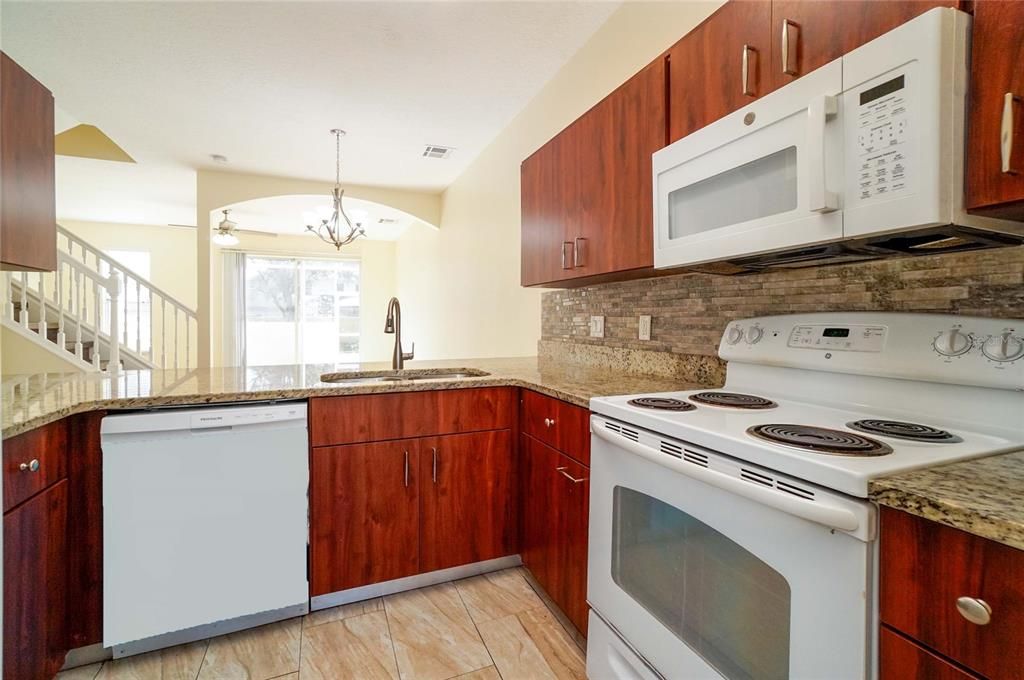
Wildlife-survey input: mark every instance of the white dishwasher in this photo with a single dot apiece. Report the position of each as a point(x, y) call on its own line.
point(205, 522)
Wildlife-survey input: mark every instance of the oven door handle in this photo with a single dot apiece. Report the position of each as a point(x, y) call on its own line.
point(818, 510)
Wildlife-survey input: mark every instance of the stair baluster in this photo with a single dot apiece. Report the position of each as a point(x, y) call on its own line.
point(79, 313)
point(23, 313)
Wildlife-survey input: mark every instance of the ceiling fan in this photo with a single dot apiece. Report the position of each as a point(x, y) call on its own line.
point(224, 232)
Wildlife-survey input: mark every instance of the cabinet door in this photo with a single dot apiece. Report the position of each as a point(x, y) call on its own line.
point(28, 219)
point(572, 495)
point(43, 452)
point(706, 66)
point(548, 193)
point(538, 520)
point(901, 659)
point(34, 586)
point(615, 141)
point(364, 515)
point(807, 34)
point(467, 499)
point(995, 115)
point(556, 497)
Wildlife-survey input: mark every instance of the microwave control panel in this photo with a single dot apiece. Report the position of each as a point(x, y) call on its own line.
point(882, 121)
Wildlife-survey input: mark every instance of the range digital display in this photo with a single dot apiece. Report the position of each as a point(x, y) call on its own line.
point(888, 87)
point(836, 333)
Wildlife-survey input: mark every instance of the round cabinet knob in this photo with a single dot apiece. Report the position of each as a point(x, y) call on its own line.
point(549, 421)
point(952, 343)
point(754, 334)
point(1003, 347)
point(734, 335)
point(974, 610)
point(31, 466)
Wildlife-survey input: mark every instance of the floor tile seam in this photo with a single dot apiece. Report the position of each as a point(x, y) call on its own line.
point(476, 627)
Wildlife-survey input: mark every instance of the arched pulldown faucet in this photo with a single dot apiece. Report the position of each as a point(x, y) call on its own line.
point(393, 324)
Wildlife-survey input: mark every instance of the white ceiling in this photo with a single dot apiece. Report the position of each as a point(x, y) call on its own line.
point(263, 82)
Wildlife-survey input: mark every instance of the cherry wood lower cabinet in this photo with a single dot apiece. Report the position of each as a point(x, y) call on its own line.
point(35, 568)
point(386, 510)
point(925, 570)
point(901, 659)
point(555, 521)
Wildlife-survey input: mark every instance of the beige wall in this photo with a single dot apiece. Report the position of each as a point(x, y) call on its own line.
point(377, 284)
point(19, 356)
point(172, 251)
point(460, 284)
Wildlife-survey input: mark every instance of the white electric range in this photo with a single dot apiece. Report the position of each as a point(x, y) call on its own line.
point(730, 531)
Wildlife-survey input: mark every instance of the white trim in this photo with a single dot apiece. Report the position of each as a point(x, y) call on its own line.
point(399, 585)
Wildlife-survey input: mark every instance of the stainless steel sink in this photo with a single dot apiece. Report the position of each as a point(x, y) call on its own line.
point(369, 377)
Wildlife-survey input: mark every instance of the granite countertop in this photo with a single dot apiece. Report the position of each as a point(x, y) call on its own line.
point(29, 401)
point(984, 496)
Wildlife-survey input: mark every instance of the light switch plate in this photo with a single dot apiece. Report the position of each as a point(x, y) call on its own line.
point(597, 326)
point(644, 327)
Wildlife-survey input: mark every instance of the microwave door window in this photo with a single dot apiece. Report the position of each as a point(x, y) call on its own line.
point(718, 598)
point(757, 189)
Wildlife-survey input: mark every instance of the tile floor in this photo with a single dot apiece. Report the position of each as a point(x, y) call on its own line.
point(489, 627)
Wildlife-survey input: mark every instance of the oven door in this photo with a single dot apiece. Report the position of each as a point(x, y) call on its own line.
point(706, 582)
point(760, 179)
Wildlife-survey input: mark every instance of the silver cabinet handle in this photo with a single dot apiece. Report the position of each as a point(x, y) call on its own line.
point(974, 610)
point(1006, 133)
point(434, 472)
point(747, 49)
point(570, 477)
point(407, 469)
point(565, 260)
point(786, 23)
point(577, 251)
point(31, 466)
point(549, 421)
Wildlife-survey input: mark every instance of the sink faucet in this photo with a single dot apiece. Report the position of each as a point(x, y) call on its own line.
point(393, 324)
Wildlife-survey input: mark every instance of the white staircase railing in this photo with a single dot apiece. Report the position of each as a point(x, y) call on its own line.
point(97, 313)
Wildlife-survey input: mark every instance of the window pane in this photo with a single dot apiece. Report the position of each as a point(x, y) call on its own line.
point(762, 187)
point(727, 605)
point(321, 327)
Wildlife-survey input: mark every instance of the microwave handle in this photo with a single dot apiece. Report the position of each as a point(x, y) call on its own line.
point(819, 198)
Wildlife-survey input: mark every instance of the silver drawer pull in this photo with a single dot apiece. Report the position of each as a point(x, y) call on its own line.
point(570, 477)
point(31, 466)
point(747, 49)
point(974, 610)
point(1006, 134)
point(786, 23)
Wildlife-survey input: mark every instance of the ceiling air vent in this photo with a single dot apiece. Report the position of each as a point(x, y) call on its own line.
point(386, 220)
point(434, 151)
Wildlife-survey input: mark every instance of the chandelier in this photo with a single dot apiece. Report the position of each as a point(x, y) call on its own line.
point(338, 229)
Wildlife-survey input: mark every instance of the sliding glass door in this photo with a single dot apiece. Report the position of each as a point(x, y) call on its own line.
point(301, 311)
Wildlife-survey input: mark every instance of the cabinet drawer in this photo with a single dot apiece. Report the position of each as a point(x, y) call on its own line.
point(399, 415)
point(47, 446)
point(558, 424)
point(926, 567)
point(901, 659)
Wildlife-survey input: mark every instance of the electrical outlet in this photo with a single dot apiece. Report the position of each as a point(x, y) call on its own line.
point(644, 327)
point(597, 326)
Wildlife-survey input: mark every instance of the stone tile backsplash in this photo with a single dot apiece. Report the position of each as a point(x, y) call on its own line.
point(690, 311)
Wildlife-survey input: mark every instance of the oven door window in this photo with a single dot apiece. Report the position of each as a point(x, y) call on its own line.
point(718, 598)
point(761, 188)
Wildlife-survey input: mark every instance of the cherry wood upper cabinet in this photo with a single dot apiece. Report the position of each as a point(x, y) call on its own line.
point(35, 564)
point(707, 76)
point(364, 515)
point(586, 194)
point(467, 499)
point(28, 220)
point(807, 34)
point(995, 114)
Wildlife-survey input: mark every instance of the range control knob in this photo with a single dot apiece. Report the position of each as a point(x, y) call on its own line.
point(952, 343)
point(754, 334)
point(733, 335)
point(1003, 347)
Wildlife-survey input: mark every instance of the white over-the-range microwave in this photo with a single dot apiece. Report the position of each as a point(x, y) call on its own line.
point(862, 158)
